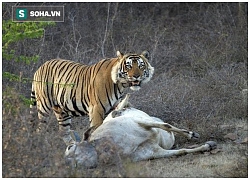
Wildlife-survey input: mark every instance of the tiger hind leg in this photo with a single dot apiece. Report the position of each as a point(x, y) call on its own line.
point(64, 121)
point(37, 110)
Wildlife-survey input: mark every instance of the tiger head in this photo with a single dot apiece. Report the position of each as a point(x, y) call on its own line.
point(132, 70)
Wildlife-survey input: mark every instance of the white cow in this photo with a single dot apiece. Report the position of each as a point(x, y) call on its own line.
point(130, 133)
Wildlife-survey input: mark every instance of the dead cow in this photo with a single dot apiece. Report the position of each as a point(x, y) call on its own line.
point(130, 133)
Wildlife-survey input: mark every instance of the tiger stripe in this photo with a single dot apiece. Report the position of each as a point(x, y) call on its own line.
point(73, 89)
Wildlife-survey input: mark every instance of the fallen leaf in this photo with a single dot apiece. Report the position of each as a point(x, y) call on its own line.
point(215, 151)
point(206, 153)
point(231, 136)
point(245, 140)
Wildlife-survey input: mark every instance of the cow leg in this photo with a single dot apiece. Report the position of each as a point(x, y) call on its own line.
point(169, 128)
point(151, 150)
point(209, 145)
point(123, 102)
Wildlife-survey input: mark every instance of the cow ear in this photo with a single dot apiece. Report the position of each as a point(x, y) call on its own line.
point(145, 54)
point(119, 54)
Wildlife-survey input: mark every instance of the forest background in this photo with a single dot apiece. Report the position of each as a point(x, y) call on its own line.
point(200, 55)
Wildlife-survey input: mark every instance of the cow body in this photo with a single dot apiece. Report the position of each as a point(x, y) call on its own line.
point(133, 134)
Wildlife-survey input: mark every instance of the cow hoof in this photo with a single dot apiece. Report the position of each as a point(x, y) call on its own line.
point(195, 135)
point(212, 145)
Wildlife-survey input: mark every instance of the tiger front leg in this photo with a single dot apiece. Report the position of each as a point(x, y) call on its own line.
point(96, 117)
point(64, 121)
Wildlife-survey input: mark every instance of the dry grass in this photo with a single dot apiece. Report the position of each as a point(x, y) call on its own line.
point(185, 102)
point(199, 51)
point(26, 155)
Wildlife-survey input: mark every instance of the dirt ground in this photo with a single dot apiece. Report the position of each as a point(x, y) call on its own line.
point(229, 160)
point(200, 55)
point(28, 155)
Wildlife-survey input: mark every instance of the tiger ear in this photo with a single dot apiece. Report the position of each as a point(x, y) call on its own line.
point(145, 54)
point(119, 54)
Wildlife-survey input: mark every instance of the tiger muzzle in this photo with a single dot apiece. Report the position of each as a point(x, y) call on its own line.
point(135, 83)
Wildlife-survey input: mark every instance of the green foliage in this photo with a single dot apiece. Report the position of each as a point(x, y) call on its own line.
point(16, 78)
point(11, 102)
point(26, 101)
point(10, 76)
point(15, 32)
point(11, 95)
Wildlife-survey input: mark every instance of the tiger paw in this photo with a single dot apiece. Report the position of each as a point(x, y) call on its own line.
point(87, 133)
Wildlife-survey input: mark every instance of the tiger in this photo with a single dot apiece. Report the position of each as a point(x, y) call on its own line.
point(70, 89)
